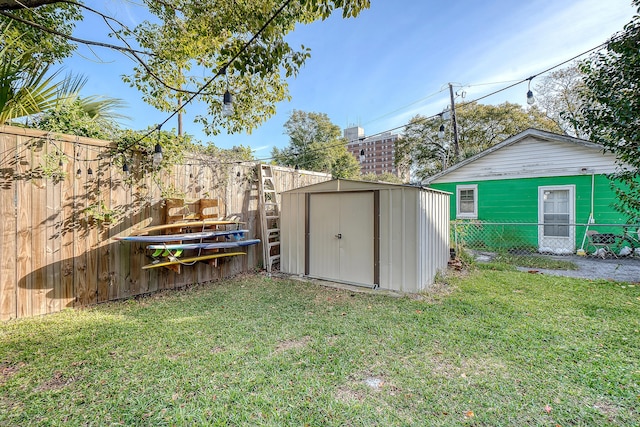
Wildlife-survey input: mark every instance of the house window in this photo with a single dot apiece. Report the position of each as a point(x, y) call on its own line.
point(467, 201)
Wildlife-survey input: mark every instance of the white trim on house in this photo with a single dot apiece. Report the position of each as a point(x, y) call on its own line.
point(467, 215)
point(530, 154)
point(557, 244)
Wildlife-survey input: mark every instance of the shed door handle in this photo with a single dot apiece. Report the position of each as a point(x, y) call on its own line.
point(339, 235)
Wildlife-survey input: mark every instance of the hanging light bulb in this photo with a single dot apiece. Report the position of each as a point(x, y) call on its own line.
point(227, 99)
point(441, 132)
point(157, 155)
point(227, 104)
point(296, 168)
point(362, 156)
point(90, 172)
point(79, 173)
point(125, 168)
point(530, 99)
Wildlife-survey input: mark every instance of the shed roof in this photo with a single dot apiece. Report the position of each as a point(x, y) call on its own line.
point(336, 185)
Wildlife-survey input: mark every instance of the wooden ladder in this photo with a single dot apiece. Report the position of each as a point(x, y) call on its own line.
point(270, 218)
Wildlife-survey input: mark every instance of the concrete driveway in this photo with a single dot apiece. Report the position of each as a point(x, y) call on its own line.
point(589, 267)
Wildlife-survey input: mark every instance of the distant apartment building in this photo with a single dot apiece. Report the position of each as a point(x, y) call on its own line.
point(378, 150)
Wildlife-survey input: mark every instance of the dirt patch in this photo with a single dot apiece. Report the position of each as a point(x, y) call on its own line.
point(607, 409)
point(467, 368)
point(57, 382)
point(7, 370)
point(347, 395)
point(436, 293)
point(293, 344)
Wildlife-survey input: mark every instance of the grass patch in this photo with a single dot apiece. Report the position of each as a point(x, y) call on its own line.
point(505, 261)
point(504, 348)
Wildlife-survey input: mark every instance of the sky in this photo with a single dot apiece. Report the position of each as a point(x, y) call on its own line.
point(393, 61)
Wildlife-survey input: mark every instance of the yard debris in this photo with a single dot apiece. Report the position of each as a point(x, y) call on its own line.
point(374, 383)
point(456, 264)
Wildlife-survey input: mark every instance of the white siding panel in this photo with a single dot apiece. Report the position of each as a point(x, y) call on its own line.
point(533, 157)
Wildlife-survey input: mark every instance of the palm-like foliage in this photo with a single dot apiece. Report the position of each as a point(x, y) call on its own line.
point(25, 88)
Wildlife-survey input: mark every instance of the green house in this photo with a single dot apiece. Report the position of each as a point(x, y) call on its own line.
point(553, 185)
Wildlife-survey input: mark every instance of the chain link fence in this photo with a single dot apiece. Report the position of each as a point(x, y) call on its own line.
point(522, 240)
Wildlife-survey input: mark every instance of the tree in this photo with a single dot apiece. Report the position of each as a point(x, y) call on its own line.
point(479, 127)
point(91, 116)
point(611, 110)
point(25, 87)
point(383, 177)
point(558, 94)
point(74, 118)
point(186, 44)
point(315, 143)
point(483, 126)
point(46, 47)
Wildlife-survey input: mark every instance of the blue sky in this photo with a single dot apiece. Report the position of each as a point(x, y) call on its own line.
point(391, 62)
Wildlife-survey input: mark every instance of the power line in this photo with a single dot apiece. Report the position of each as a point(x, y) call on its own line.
point(461, 105)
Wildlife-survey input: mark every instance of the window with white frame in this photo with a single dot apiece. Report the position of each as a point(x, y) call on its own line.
point(467, 201)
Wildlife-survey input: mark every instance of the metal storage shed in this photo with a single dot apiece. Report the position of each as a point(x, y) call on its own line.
point(364, 233)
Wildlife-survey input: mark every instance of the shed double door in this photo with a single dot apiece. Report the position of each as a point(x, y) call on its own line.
point(341, 237)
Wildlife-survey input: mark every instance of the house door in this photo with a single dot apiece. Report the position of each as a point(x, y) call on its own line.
point(341, 237)
point(556, 206)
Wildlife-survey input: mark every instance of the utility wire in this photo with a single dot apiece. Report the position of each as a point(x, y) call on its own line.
point(461, 105)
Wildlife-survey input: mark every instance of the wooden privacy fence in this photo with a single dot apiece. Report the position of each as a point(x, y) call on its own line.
point(63, 200)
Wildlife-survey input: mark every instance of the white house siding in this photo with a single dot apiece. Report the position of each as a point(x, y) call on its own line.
point(414, 232)
point(532, 157)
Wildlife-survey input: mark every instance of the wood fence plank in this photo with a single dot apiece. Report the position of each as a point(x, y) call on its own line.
point(104, 230)
point(117, 197)
point(8, 227)
point(54, 229)
point(82, 230)
point(39, 243)
point(24, 268)
point(94, 199)
point(69, 224)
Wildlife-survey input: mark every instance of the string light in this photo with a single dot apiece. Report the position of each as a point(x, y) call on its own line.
point(530, 99)
point(157, 152)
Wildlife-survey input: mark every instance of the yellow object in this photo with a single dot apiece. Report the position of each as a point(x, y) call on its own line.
point(193, 260)
point(581, 252)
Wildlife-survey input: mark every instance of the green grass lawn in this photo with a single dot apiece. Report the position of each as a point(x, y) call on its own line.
point(501, 348)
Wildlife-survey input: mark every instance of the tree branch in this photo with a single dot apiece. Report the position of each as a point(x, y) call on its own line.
point(72, 38)
point(128, 49)
point(16, 5)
